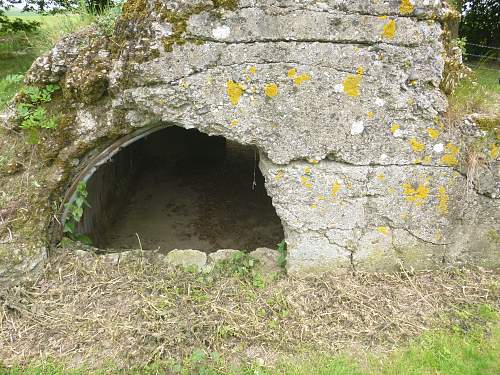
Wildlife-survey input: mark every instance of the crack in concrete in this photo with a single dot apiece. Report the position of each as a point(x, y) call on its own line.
point(308, 40)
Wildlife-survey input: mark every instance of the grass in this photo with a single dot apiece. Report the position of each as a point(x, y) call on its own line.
point(147, 318)
point(19, 50)
point(478, 94)
point(475, 352)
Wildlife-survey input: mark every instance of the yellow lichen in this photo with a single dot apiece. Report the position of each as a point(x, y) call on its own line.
point(381, 177)
point(279, 176)
point(292, 73)
point(394, 128)
point(234, 123)
point(383, 17)
point(389, 29)
point(271, 90)
point(450, 158)
point(252, 70)
point(352, 85)
point(335, 189)
point(307, 170)
point(416, 195)
point(406, 7)
point(299, 80)
point(371, 115)
point(234, 92)
point(439, 122)
point(416, 145)
point(306, 182)
point(427, 160)
point(383, 230)
point(494, 152)
point(433, 133)
point(360, 71)
point(443, 199)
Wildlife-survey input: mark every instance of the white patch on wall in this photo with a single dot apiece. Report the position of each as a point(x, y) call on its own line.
point(86, 124)
point(339, 88)
point(357, 128)
point(221, 32)
point(398, 133)
point(439, 148)
point(162, 30)
point(380, 102)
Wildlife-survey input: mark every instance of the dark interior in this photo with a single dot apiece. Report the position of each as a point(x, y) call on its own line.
point(181, 189)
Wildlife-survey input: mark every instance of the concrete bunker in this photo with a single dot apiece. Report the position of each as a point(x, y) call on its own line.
point(171, 188)
point(343, 102)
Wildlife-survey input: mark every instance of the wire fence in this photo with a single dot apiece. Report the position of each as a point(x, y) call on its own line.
point(482, 46)
point(483, 56)
point(482, 67)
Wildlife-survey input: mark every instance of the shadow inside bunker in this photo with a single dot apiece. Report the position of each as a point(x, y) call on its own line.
point(181, 189)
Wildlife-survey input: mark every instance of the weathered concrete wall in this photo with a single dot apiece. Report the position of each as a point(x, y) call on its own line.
point(342, 99)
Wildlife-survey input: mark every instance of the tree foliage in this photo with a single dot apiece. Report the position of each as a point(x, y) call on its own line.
point(53, 6)
point(12, 25)
point(481, 24)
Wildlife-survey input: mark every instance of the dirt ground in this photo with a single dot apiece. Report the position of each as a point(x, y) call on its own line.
point(82, 310)
point(198, 204)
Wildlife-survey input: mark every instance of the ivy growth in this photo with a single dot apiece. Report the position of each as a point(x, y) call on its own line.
point(75, 214)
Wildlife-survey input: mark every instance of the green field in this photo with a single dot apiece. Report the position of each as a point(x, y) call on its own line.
point(19, 50)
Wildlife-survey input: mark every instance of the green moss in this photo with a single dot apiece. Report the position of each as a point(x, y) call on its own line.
point(491, 125)
point(226, 4)
point(179, 21)
point(494, 236)
point(417, 257)
point(381, 260)
point(135, 9)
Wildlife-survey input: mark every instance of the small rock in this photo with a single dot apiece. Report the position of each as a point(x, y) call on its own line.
point(113, 258)
point(83, 254)
point(268, 259)
point(187, 258)
point(221, 255)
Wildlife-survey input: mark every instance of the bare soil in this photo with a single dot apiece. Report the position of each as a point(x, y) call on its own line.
point(82, 310)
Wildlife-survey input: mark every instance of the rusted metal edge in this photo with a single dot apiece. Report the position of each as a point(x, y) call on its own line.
point(100, 159)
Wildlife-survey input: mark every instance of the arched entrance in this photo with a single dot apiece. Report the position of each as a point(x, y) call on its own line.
point(172, 188)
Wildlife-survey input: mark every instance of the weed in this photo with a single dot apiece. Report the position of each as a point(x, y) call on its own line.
point(242, 266)
point(31, 113)
point(282, 251)
point(106, 21)
point(75, 213)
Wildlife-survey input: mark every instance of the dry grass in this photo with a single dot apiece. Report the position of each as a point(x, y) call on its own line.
point(83, 310)
point(477, 94)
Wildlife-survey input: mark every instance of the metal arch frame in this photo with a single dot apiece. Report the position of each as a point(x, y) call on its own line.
point(103, 157)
